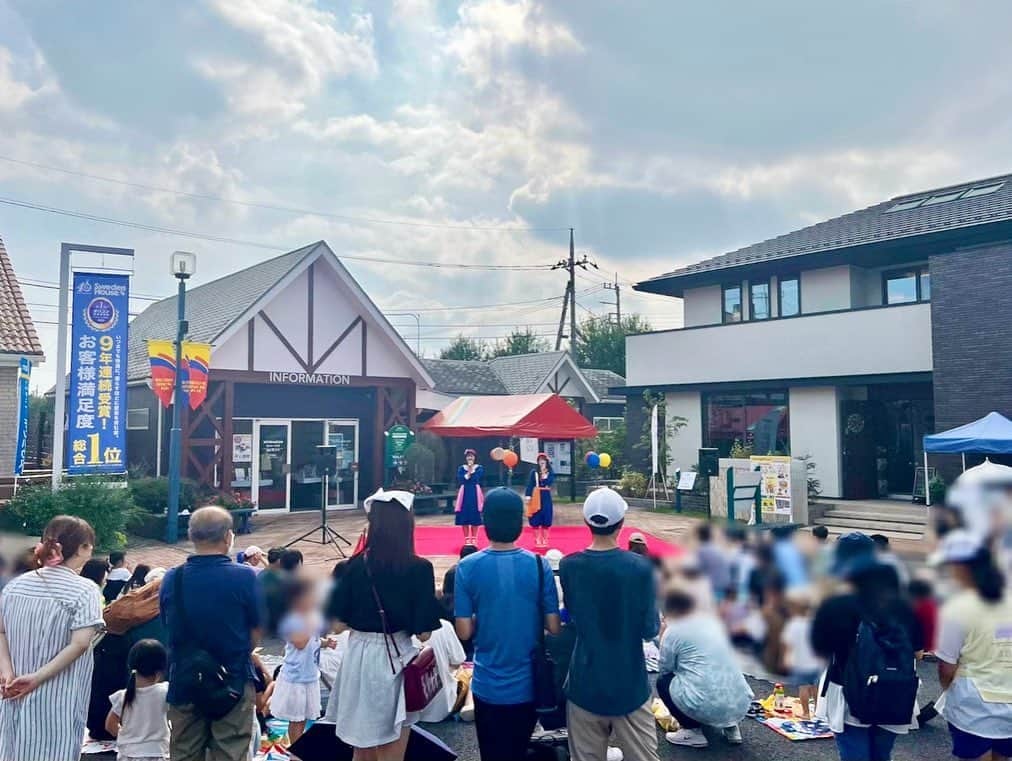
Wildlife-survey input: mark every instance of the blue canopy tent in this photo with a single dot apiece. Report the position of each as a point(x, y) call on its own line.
point(992, 434)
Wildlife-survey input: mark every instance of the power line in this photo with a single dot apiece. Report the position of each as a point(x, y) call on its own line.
point(273, 207)
point(255, 244)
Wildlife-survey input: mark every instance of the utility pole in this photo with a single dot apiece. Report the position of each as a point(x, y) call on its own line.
point(569, 298)
point(618, 299)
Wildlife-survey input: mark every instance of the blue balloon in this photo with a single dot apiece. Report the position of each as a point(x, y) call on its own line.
point(594, 460)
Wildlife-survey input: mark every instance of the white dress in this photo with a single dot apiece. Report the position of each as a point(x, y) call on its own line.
point(40, 610)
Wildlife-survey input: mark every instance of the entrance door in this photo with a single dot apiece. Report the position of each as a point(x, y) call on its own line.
point(306, 471)
point(271, 468)
point(343, 488)
point(857, 421)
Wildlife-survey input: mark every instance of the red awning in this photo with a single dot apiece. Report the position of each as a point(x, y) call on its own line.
point(541, 416)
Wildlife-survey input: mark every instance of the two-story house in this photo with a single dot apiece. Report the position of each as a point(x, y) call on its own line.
point(848, 340)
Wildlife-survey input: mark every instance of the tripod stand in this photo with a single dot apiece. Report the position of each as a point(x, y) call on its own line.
point(327, 534)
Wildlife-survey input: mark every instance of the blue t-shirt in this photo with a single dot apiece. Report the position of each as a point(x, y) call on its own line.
point(300, 666)
point(224, 605)
point(500, 588)
point(611, 598)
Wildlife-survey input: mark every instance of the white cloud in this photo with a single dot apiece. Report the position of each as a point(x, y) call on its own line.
point(489, 29)
point(305, 46)
point(13, 92)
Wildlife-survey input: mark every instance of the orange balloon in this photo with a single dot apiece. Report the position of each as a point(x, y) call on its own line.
point(510, 458)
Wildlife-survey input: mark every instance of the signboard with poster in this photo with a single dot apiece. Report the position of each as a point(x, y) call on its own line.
point(775, 486)
point(528, 450)
point(398, 439)
point(96, 433)
point(561, 455)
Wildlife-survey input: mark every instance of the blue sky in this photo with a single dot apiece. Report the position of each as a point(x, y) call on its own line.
point(663, 132)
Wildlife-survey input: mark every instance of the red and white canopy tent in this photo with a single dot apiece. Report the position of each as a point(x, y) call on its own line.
point(536, 416)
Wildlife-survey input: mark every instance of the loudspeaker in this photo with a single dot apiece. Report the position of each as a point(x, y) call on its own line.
point(326, 460)
point(320, 743)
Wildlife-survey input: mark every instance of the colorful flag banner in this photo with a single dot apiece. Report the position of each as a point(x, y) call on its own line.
point(96, 417)
point(162, 355)
point(196, 365)
point(24, 379)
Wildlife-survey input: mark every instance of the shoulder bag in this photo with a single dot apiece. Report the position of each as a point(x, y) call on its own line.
point(422, 680)
point(546, 697)
point(212, 688)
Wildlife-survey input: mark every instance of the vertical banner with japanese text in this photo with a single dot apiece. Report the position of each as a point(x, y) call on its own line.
point(197, 364)
point(162, 356)
point(24, 379)
point(96, 415)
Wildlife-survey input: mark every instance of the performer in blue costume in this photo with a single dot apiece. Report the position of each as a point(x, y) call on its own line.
point(539, 499)
point(470, 497)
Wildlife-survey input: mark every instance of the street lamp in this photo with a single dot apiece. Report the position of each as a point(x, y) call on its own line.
point(183, 266)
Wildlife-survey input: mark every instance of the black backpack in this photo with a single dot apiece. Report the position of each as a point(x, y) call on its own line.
point(880, 679)
point(212, 688)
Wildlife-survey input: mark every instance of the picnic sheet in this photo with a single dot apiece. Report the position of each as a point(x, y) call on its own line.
point(797, 729)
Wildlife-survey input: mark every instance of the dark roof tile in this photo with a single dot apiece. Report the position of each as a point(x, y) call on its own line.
point(17, 331)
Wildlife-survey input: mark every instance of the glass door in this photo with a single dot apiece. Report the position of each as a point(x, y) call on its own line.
point(343, 488)
point(306, 471)
point(271, 465)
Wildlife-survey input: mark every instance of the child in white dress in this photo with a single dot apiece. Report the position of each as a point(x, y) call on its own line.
point(139, 715)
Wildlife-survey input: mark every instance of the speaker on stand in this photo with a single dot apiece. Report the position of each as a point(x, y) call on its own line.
point(326, 465)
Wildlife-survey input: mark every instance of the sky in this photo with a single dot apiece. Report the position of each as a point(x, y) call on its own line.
point(478, 132)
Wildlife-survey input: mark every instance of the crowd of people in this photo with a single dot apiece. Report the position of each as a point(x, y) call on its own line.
point(562, 647)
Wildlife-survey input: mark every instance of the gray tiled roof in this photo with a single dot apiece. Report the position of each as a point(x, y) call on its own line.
point(525, 373)
point(602, 380)
point(874, 224)
point(17, 331)
point(460, 376)
point(210, 308)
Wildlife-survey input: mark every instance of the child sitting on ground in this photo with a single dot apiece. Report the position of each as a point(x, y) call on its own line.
point(296, 697)
point(138, 718)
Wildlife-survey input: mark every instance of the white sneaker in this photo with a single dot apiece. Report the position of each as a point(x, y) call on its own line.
point(614, 754)
point(733, 734)
point(691, 738)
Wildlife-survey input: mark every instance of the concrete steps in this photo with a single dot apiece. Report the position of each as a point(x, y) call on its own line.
point(896, 520)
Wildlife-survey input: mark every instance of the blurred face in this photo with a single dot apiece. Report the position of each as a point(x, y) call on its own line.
point(469, 458)
point(543, 463)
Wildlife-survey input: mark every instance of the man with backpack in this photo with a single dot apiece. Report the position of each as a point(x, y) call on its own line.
point(211, 609)
point(871, 639)
point(504, 599)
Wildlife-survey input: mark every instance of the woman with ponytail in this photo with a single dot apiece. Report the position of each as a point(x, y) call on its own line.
point(975, 651)
point(49, 618)
point(139, 715)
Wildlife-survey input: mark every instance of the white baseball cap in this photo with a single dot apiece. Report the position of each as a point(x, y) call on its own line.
point(554, 558)
point(958, 546)
point(403, 498)
point(604, 507)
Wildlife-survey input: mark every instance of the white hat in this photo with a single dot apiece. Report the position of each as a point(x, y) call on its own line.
point(154, 573)
point(986, 475)
point(554, 557)
point(403, 498)
point(958, 546)
point(252, 551)
point(604, 508)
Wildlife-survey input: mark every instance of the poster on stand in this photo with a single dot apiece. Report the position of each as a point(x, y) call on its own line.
point(561, 455)
point(775, 486)
point(528, 450)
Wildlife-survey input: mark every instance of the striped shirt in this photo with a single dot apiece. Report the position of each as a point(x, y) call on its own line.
point(40, 609)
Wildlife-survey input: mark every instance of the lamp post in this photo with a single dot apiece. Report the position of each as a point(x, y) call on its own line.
point(183, 264)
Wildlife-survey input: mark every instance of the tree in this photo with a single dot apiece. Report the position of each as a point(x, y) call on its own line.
point(463, 347)
point(601, 343)
point(519, 341)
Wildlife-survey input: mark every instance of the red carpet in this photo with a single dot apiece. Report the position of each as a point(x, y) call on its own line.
point(447, 540)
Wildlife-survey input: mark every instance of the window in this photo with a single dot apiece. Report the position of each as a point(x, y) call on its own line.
point(137, 419)
point(904, 205)
point(943, 197)
point(790, 296)
point(906, 286)
point(758, 421)
point(759, 301)
point(983, 190)
point(732, 303)
point(608, 424)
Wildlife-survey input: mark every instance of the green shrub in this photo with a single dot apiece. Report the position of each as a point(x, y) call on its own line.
point(107, 508)
point(633, 484)
point(936, 490)
point(152, 494)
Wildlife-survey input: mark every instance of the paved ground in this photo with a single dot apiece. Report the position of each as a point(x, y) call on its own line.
point(272, 531)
